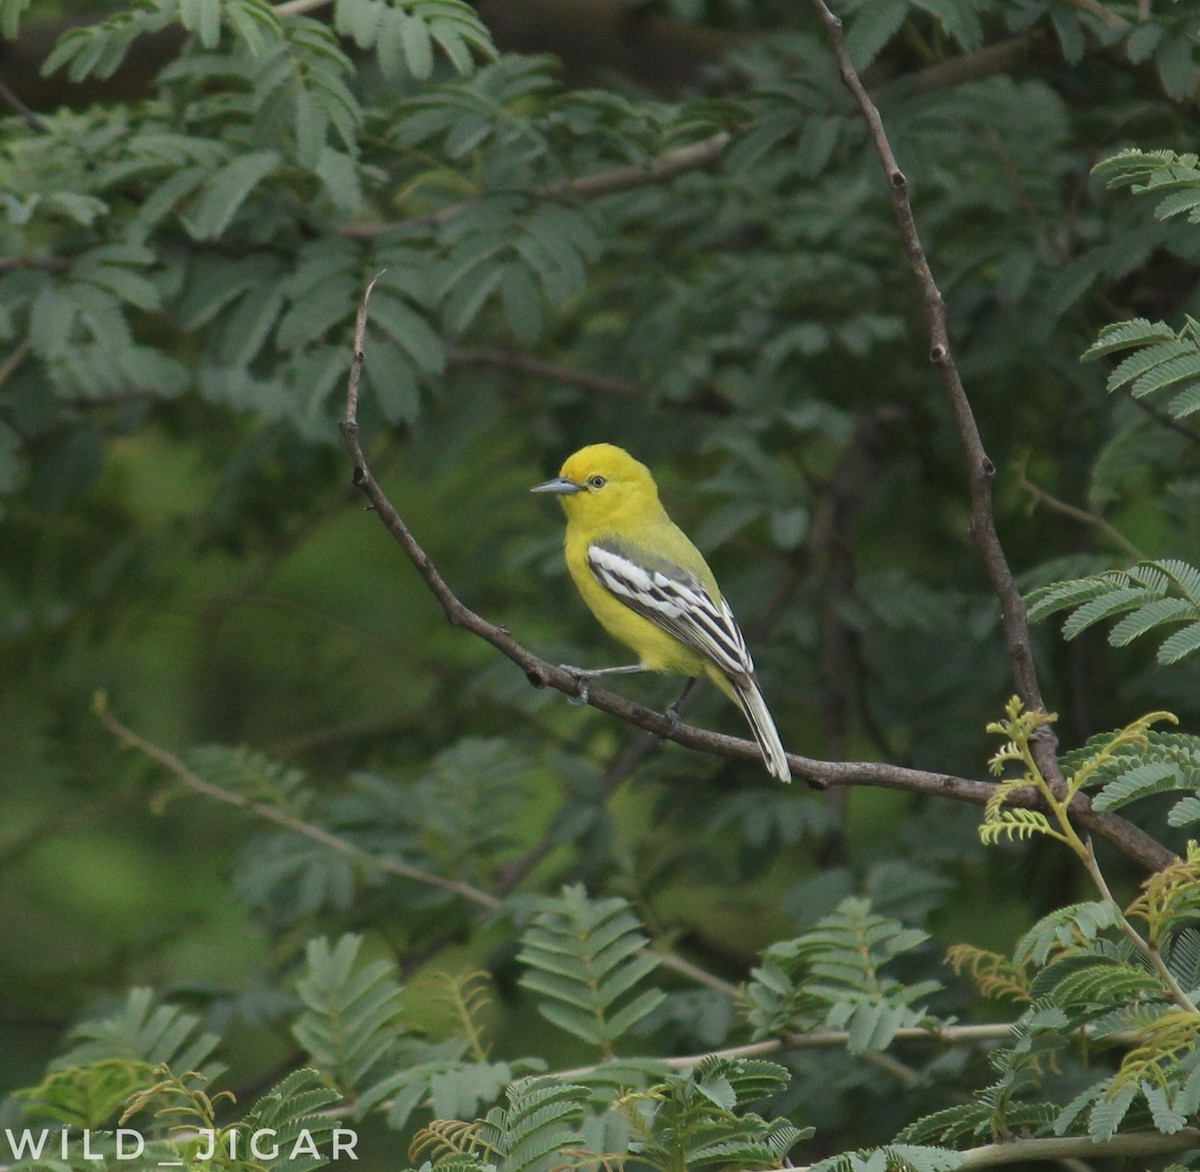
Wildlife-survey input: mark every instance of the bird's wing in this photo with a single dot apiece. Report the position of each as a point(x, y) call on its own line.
point(674, 599)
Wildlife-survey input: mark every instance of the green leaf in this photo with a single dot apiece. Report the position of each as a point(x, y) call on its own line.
point(1066, 927)
point(143, 1029)
point(872, 28)
point(352, 1016)
point(218, 201)
point(1150, 777)
point(1108, 1111)
point(1113, 602)
point(1152, 614)
point(583, 958)
point(1127, 334)
point(1180, 645)
point(1175, 60)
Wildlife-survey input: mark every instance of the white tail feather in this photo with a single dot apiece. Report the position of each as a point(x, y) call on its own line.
point(763, 727)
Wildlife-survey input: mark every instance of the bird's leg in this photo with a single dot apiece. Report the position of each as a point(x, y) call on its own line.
point(675, 708)
point(584, 674)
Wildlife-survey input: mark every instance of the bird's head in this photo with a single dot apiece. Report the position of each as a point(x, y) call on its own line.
point(602, 481)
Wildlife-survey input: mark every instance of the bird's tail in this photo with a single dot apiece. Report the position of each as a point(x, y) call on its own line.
point(763, 727)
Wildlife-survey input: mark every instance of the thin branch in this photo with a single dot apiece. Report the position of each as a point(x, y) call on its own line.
point(685, 968)
point(56, 264)
point(981, 470)
point(1123, 1146)
point(317, 834)
point(822, 1039)
point(661, 169)
point(14, 360)
point(1160, 416)
point(1041, 496)
point(598, 384)
point(1151, 954)
point(23, 111)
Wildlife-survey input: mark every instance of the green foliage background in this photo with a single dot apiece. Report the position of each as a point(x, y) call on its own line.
point(676, 238)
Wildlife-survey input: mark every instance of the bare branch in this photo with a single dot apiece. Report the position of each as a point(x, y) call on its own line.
point(1033, 1151)
point(24, 112)
point(598, 384)
point(980, 468)
point(824, 1039)
point(661, 169)
point(317, 834)
point(1042, 497)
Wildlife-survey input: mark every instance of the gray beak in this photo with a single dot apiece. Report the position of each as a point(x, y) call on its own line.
point(562, 486)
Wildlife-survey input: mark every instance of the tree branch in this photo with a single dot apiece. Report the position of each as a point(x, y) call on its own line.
point(1041, 496)
point(1031, 1151)
point(980, 468)
point(317, 834)
point(599, 384)
point(661, 169)
point(1113, 829)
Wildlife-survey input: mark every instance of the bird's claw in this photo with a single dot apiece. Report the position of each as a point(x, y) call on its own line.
point(581, 678)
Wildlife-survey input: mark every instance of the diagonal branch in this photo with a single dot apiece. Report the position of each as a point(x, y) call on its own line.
point(661, 169)
point(1123, 835)
point(980, 468)
point(282, 818)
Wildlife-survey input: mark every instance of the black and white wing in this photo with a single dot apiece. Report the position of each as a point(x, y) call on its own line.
point(679, 602)
point(676, 600)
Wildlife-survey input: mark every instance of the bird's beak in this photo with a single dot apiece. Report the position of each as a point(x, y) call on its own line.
point(562, 486)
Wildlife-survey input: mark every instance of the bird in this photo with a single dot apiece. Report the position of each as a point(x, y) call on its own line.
point(651, 589)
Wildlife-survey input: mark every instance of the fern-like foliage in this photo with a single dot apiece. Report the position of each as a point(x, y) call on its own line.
point(442, 1078)
point(1149, 596)
point(145, 1031)
point(1170, 898)
point(85, 1096)
point(352, 1016)
point(1161, 361)
point(584, 957)
point(894, 1157)
point(1158, 360)
point(542, 1122)
point(253, 776)
point(1066, 929)
point(405, 33)
point(467, 995)
point(1001, 821)
point(1156, 763)
point(992, 974)
point(832, 976)
point(296, 1114)
point(690, 1120)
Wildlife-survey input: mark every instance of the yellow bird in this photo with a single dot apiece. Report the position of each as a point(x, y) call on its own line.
point(651, 588)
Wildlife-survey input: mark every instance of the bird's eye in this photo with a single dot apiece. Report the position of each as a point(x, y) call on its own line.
point(596, 482)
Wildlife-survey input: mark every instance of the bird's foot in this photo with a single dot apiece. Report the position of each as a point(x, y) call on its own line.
point(581, 677)
point(674, 711)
